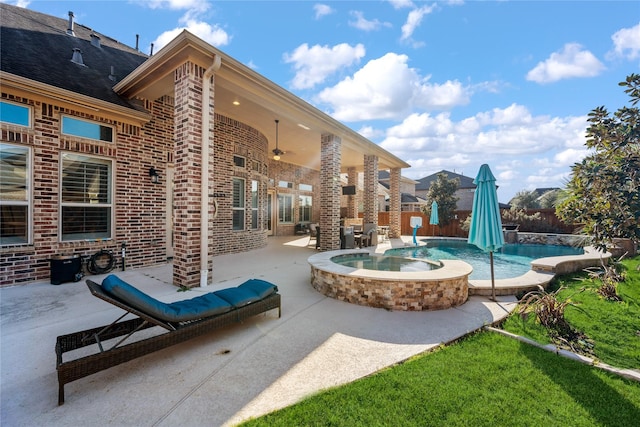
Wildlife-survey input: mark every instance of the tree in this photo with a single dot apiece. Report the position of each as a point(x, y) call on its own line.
point(549, 199)
point(603, 192)
point(443, 190)
point(525, 199)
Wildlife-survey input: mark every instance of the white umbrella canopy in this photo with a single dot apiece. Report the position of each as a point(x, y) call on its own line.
point(485, 230)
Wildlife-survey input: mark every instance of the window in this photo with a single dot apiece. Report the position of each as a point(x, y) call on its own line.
point(285, 208)
point(305, 187)
point(85, 129)
point(238, 204)
point(254, 204)
point(285, 184)
point(86, 197)
point(14, 114)
point(304, 206)
point(15, 195)
point(238, 161)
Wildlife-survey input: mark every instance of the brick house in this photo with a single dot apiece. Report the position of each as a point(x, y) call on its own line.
point(102, 146)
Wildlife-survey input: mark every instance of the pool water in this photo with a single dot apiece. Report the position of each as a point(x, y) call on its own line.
point(383, 263)
point(512, 260)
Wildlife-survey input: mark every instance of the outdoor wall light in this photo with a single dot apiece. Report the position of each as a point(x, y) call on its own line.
point(153, 173)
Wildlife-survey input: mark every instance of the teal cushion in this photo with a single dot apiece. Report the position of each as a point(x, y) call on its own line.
point(238, 297)
point(196, 308)
point(262, 288)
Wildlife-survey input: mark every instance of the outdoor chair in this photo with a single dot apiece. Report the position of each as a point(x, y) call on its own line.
point(181, 321)
point(368, 237)
point(314, 234)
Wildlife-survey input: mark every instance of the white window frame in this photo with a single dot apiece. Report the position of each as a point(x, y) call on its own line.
point(238, 208)
point(304, 208)
point(27, 201)
point(282, 208)
point(255, 203)
point(92, 202)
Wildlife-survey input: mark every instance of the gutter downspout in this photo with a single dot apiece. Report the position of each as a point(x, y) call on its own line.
point(204, 178)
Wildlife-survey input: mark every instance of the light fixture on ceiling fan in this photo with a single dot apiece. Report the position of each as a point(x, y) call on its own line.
point(276, 151)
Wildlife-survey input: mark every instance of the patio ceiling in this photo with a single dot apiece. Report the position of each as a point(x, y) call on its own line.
point(258, 103)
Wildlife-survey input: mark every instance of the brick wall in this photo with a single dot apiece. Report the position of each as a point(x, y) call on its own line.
point(138, 204)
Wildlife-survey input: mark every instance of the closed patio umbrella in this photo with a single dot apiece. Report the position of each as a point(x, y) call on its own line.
point(485, 230)
point(433, 219)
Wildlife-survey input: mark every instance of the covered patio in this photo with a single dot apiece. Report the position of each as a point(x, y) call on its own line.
point(223, 377)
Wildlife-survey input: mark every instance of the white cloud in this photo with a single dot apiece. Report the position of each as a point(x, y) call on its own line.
point(414, 19)
point(19, 3)
point(213, 35)
point(572, 61)
point(399, 4)
point(366, 25)
point(177, 4)
point(322, 10)
point(314, 64)
point(190, 21)
point(626, 43)
point(511, 140)
point(386, 88)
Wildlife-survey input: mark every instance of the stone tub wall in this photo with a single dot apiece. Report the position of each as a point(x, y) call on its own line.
point(438, 289)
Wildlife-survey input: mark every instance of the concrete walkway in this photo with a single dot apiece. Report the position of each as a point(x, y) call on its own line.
point(222, 378)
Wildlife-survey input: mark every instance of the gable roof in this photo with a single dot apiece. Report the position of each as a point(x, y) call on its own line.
point(36, 46)
point(425, 183)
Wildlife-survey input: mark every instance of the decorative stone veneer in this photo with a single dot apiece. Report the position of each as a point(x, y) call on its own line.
point(437, 289)
point(550, 239)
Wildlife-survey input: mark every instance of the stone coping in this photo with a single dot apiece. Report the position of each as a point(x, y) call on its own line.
point(451, 269)
point(543, 270)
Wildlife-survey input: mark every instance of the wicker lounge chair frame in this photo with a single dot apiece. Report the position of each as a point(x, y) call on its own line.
point(118, 353)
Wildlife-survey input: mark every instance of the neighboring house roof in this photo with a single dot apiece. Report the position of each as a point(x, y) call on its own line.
point(425, 183)
point(408, 198)
point(37, 47)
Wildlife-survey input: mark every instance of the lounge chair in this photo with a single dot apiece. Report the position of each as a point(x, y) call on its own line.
point(182, 321)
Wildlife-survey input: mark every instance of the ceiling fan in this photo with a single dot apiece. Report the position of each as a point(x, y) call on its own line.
point(276, 151)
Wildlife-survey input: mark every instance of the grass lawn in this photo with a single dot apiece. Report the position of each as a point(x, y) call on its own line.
point(613, 326)
point(487, 379)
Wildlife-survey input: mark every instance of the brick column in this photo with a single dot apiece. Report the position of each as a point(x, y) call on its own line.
point(352, 201)
point(370, 196)
point(188, 168)
point(395, 215)
point(330, 192)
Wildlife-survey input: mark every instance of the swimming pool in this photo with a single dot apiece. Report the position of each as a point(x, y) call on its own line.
point(512, 260)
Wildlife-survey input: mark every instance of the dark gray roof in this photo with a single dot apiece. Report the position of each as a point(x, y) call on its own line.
point(408, 198)
point(37, 47)
point(425, 183)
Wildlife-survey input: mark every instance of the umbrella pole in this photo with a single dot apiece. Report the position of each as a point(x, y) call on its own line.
point(493, 282)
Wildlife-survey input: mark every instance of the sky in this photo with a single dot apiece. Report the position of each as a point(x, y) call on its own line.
point(440, 84)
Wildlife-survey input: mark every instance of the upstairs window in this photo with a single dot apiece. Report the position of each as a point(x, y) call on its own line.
point(87, 209)
point(239, 162)
point(15, 114)
point(86, 129)
point(15, 195)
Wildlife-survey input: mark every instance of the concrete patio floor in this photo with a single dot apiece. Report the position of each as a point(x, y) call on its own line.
point(224, 377)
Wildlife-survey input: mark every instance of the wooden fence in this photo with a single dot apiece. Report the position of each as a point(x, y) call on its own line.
point(549, 223)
